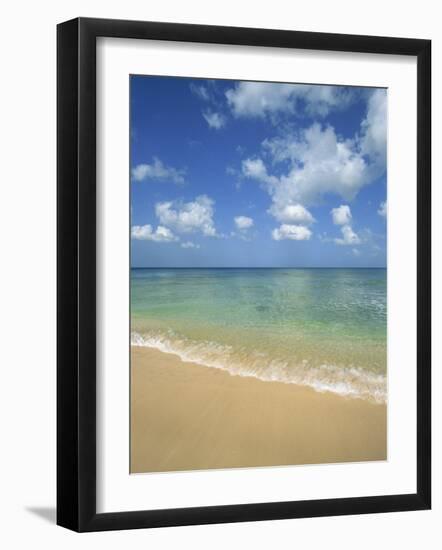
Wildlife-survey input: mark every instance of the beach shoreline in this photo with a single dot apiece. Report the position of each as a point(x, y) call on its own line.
point(186, 416)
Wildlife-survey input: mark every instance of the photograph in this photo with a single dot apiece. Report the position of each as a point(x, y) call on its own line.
point(225, 252)
point(258, 274)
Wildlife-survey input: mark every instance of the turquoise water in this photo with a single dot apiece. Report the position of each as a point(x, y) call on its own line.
point(325, 328)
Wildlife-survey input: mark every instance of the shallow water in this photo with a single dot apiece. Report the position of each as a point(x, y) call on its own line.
point(325, 328)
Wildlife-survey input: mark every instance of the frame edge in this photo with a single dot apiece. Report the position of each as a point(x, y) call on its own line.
point(67, 275)
point(424, 273)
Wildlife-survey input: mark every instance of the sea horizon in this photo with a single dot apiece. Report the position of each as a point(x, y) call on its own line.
point(263, 267)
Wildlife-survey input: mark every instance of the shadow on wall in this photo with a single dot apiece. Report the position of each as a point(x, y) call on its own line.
point(47, 513)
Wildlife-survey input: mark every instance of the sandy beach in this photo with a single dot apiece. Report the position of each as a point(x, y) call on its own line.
point(190, 417)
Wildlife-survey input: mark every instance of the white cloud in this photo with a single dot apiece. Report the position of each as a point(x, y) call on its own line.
point(291, 213)
point(188, 217)
point(256, 169)
point(356, 252)
point(341, 215)
point(243, 222)
point(349, 237)
point(292, 232)
point(319, 162)
point(146, 233)
point(382, 210)
point(373, 140)
point(200, 91)
point(157, 171)
point(214, 120)
point(258, 99)
point(189, 244)
point(284, 209)
point(316, 161)
point(210, 94)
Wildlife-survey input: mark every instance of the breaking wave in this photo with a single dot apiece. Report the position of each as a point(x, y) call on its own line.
point(346, 381)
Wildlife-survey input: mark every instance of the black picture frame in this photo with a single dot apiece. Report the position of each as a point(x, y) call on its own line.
point(76, 274)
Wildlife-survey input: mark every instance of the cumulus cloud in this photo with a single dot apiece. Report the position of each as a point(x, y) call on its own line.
point(291, 232)
point(259, 99)
point(188, 217)
point(349, 237)
point(341, 215)
point(284, 207)
point(243, 222)
point(157, 171)
point(256, 169)
point(319, 162)
point(373, 140)
point(382, 210)
point(214, 120)
point(189, 244)
point(291, 213)
point(147, 233)
point(302, 167)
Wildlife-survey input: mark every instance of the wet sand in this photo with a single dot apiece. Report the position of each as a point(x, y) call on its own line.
point(190, 417)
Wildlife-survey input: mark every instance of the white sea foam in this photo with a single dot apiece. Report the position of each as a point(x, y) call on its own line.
point(347, 381)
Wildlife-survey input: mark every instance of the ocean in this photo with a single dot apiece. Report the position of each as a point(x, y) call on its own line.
point(323, 328)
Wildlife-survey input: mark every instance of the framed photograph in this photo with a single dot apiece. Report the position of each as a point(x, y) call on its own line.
point(243, 274)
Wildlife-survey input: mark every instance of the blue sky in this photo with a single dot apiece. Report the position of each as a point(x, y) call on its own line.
point(251, 174)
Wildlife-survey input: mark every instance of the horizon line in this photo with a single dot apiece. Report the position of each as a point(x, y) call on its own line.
point(263, 267)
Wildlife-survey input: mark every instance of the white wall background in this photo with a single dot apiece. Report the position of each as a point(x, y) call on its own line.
point(27, 289)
